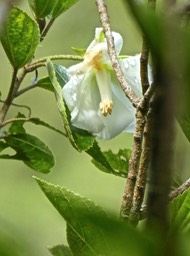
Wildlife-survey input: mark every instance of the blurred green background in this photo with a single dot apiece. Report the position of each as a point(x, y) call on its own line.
point(28, 221)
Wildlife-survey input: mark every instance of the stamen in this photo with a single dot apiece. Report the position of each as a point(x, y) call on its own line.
point(106, 107)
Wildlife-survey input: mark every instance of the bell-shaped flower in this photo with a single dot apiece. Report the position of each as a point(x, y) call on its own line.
point(93, 95)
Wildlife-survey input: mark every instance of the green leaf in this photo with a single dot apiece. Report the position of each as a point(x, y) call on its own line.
point(20, 37)
point(80, 52)
point(99, 160)
point(116, 164)
point(54, 8)
point(120, 161)
point(122, 239)
point(3, 146)
point(61, 74)
point(180, 212)
point(176, 181)
point(17, 127)
point(11, 244)
point(9, 157)
point(60, 102)
point(45, 83)
point(32, 151)
point(90, 231)
point(167, 30)
point(42, 8)
point(151, 24)
point(81, 140)
point(74, 210)
point(184, 121)
point(60, 250)
point(62, 6)
point(183, 89)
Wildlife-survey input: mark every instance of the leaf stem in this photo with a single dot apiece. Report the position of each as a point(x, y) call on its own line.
point(34, 121)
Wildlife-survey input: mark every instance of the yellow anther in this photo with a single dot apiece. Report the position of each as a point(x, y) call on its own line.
point(106, 107)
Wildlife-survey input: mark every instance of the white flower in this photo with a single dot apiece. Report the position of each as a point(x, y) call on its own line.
point(93, 95)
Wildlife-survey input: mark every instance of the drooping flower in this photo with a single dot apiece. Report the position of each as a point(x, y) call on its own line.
point(93, 95)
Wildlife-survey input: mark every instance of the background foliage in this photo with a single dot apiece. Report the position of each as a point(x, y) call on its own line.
point(22, 211)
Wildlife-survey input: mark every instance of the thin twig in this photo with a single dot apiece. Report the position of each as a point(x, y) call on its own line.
point(58, 57)
point(9, 98)
point(45, 31)
point(20, 92)
point(15, 84)
point(146, 147)
point(142, 173)
point(127, 200)
point(147, 96)
point(142, 109)
point(31, 67)
point(102, 9)
point(19, 79)
point(145, 54)
point(173, 194)
point(144, 65)
point(178, 191)
point(12, 120)
point(20, 106)
point(135, 185)
point(137, 146)
point(41, 62)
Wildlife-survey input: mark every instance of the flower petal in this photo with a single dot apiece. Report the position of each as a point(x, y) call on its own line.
point(123, 114)
point(82, 98)
point(93, 85)
point(103, 78)
point(131, 69)
point(118, 40)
